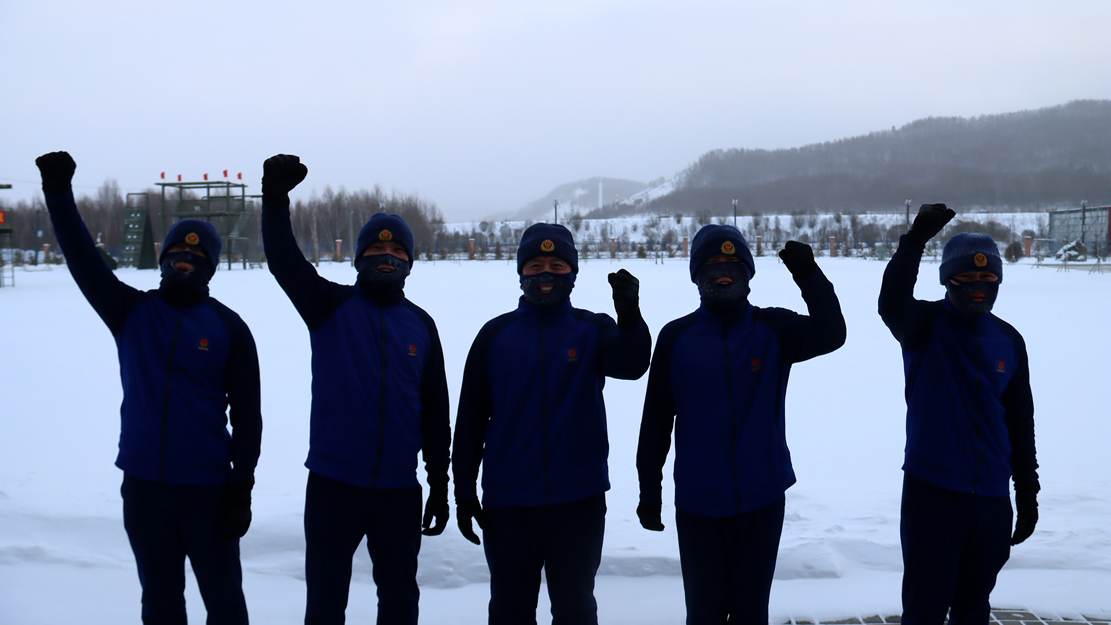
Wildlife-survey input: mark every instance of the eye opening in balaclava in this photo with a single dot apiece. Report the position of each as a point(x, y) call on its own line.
point(960, 295)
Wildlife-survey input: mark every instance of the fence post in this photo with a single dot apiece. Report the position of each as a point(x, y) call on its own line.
point(759, 245)
point(832, 247)
point(1027, 242)
point(686, 247)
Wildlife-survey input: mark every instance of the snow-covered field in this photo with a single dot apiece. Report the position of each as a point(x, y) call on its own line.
point(64, 555)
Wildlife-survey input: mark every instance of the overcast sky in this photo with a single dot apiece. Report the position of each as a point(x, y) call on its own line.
point(484, 106)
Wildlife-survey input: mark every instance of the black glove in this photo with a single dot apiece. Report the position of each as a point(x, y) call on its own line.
point(799, 258)
point(57, 171)
point(649, 514)
point(234, 516)
point(1026, 500)
point(279, 175)
point(626, 298)
point(930, 220)
point(468, 509)
point(436, 508)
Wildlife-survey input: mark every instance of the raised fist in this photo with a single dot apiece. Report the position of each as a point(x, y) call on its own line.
point(57, 171)
point(930, 220)
point(280, 174)
point(799, 258)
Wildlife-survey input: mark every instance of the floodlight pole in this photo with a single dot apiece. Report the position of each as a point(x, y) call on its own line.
point(555, 211)
point(1083, 218)
point(908, 214)
point(734, 213)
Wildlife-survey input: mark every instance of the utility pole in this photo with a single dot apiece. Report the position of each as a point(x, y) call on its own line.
point(908, 214)
point(734, 213)
point(1083, 219)
point(555, 211)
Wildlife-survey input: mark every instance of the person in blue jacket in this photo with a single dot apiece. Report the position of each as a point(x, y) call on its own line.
point(185, 359)
point(970, 425)
point(719, 376)
point(379, 397)
point(531, 413)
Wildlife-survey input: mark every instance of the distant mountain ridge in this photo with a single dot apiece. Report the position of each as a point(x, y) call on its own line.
point(580, 196)
point(1026, 160)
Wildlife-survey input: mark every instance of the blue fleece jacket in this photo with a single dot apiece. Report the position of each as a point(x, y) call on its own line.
point(970, 414)
point(531, 409)
point(379, 392)
point(182, 367)
point(722, 381)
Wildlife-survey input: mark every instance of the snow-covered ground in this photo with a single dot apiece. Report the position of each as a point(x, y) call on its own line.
point(64, 555)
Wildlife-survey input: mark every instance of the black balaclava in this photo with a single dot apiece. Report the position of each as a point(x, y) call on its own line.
point(562, 284)
point(958, 296)
point(723, 298)
point(185, 288)
point(385, 283)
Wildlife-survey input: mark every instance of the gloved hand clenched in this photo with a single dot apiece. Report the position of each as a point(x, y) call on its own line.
point(930, 220)
point(626, 298)
point(280, 174)
point(799, 258)
point(57, 170)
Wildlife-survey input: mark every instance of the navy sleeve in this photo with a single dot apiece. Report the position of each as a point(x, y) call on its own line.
point(823, 330)
point(476, 407)
point(244, 395)
point(1018, 404)
point(111, 299)
point(435, 411)
point(626, 352)
point(905, 316)
point(658, 417)
point(314, 297)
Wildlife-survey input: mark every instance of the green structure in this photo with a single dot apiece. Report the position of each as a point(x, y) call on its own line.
point(222, 203)
point(137, 243)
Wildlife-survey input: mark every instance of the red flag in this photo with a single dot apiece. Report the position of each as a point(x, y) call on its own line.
point(179, 177)
point(163, 175)
point(206, 176)
point(225, 173)
point(241, 175)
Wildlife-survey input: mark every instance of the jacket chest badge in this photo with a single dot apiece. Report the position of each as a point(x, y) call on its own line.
point(757, 365)
point(572, 355)
point(203, 345)
point(1000, 366)
point(412, 350)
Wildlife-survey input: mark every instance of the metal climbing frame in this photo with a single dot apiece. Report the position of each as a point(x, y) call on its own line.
point(224, 204)
point(1089, 225)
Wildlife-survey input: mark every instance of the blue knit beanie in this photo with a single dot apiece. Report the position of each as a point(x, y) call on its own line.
point(547, 240)
point(715, 239)
point(195, 232)
point(970, 251)
point(385, 227)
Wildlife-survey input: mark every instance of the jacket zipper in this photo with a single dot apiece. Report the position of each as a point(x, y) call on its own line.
point(544, 411)
point(977, 421)
point(166, 398)
point(381, 397)
point(732, 417)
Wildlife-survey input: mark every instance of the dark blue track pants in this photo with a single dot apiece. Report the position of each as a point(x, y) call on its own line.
point(954, 545)
point(167, 523)
point(563, 539)
point(728, 563)
point(337, 517)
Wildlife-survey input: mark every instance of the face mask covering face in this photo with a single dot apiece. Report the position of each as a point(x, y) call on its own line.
point(961, 296)
point(185, 284)
point(723, 286)
point(547, 290)
point(382, 271)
